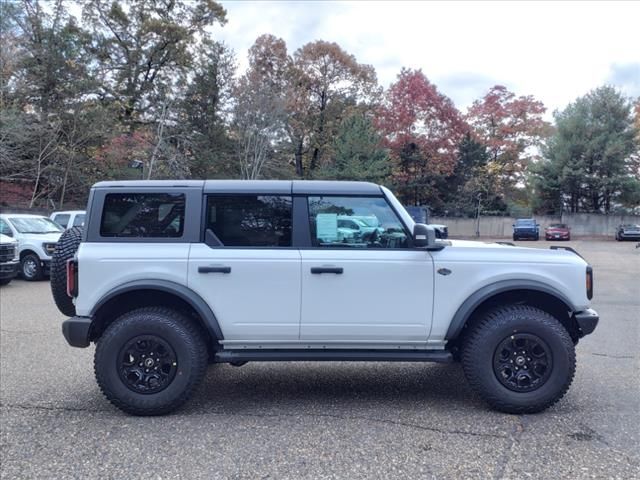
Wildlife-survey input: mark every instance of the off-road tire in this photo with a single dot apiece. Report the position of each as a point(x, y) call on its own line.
point(183, 336)
point(65, 249)
point(38, 274)
point(481, 343)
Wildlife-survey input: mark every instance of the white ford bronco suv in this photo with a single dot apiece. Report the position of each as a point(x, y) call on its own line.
point(168, 276)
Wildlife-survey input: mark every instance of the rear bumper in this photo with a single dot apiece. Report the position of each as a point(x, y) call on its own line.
point(76, 331)
point(587, 321)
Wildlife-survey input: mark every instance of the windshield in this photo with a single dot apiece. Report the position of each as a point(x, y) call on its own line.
point(35, 225)
point(525, 222)
point(557, 225)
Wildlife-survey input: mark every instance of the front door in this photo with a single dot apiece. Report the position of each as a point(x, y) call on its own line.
point(247, 270)
point(361, 282)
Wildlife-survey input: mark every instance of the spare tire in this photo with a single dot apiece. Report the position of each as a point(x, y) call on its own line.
point(65, 250)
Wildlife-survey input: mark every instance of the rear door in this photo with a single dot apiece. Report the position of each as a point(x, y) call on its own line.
point(364, 286)
point(247, 270)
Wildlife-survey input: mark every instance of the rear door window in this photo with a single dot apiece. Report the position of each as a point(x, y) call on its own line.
point(62, 219)
point(249, 220)
point(79, 220)
point(151, 215)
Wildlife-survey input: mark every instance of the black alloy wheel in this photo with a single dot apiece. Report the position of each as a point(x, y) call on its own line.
point(522, 362)
point(148, 364)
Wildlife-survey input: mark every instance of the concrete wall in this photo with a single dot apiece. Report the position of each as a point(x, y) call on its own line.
point(581, 224)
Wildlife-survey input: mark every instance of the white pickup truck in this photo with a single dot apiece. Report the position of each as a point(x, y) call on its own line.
point(168, 276)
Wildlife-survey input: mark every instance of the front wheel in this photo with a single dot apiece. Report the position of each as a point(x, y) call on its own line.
point(31, 268)
point(519, 359)
point(150, 360)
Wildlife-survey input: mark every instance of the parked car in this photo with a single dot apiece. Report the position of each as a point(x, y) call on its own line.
point(557, 231)
point(526, 228)
point(9, 258)
point(37, 237)
point(69, 218)
point(628, 231)
point(169, 276)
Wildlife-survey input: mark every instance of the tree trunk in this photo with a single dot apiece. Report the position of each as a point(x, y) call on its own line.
point(298, 156)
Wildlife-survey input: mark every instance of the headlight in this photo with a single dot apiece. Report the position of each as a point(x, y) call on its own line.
point(49, 248)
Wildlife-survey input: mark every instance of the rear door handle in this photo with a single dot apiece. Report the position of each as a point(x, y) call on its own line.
point(318, 270)
point(214, 269)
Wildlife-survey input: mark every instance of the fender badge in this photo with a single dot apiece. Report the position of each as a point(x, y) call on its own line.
point(444, 271)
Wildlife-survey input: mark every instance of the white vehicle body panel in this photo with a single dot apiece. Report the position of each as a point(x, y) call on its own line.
point(258, 300)
point(392, 298)
point(382, 296)
point(106, 266)
point(474, 265)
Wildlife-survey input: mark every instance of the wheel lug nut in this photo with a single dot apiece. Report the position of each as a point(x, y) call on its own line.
point(140, 363)
point(525, 367)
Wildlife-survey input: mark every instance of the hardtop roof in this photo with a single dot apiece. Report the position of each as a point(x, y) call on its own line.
point(282, 187)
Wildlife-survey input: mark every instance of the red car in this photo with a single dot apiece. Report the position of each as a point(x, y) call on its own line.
point(557, 231)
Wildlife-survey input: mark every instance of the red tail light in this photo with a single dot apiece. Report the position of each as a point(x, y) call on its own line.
point(72, 278)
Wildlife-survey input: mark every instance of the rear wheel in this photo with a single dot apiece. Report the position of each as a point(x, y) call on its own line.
point(31, 267)
point(519, 359)
point(149, 361)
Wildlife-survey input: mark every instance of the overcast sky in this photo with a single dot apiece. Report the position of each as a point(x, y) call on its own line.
point(555, 51)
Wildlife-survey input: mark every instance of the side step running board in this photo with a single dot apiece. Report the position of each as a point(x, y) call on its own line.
point(238, 356)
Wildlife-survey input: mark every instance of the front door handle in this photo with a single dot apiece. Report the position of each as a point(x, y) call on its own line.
point(214, 269)
point(318, 270)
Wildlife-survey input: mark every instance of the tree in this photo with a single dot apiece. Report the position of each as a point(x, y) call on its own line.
point(358, 153)
point(422, 128)
point(325, 82)
point(593, 153)
point(259, 113)
point(47, 85)
point(200, 128)
point(145, 48)
point(512, 128)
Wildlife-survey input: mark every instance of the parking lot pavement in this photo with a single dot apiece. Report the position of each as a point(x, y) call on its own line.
point(323, 420)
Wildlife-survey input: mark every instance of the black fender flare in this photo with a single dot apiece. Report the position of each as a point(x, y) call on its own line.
point(184, 293)
point(478, 297)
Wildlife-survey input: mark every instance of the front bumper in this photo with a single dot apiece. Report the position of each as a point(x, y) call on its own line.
point(525, 234)
point(9, 269)
point(76, 331)
point(587, 321)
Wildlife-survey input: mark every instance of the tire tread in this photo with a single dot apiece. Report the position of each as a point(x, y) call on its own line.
point(475, 338)
point(195, 339)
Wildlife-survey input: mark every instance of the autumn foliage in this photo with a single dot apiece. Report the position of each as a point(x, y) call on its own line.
point(125, 84)
point(422, 129)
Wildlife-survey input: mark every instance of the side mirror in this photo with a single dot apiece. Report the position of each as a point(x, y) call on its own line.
point(424, 236)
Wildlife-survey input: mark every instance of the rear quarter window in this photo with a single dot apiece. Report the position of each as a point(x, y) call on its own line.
point(147, 215)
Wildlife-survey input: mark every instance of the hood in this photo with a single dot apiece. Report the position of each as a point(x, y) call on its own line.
point(40, 237)
point(557, 229)
point(491, 251)
point(6, 239)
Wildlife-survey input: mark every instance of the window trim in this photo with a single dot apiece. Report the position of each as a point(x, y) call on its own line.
point(310, 245)
point(190, 230)
point(205, 212)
